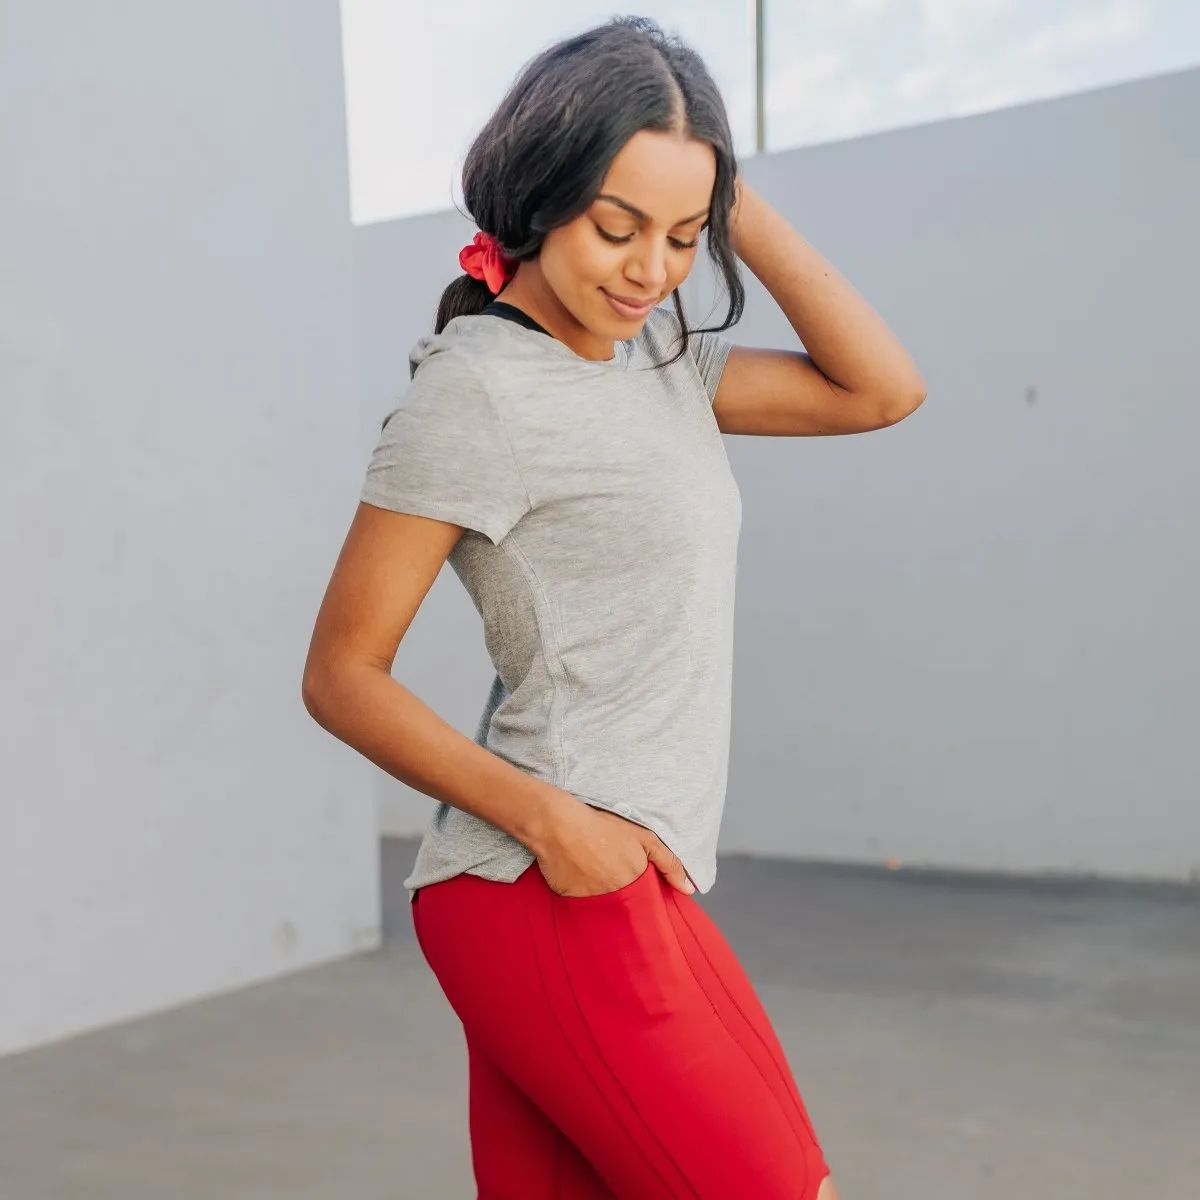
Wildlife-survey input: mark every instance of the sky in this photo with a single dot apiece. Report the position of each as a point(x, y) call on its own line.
point(422, 80)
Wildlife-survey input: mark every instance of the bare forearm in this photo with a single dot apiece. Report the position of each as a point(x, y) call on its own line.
point(367, 709)
point(846, 339)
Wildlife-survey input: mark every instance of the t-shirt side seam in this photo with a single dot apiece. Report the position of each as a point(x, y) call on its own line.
point(555, 666)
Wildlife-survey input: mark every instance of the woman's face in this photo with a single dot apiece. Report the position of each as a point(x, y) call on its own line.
point(634, 245)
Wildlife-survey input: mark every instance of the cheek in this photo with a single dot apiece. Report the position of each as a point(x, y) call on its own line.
point(593, 263)
point(576, 260)
point(679, 268)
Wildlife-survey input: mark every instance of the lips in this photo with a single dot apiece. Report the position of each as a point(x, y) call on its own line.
point(627, 307)
point(633, 301)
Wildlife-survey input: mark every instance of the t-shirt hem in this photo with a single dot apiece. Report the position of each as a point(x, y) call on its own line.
point(510, 872)
point(701, 868)
point(494, 530)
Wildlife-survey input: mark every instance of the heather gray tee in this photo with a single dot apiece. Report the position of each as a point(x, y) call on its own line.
point(602, 528)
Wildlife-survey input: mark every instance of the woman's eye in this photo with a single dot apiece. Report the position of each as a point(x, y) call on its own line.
point(620, 241)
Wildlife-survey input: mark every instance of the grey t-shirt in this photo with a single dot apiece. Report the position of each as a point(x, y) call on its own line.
point(602, 524)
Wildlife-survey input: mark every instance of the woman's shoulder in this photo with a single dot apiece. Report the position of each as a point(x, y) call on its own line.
point(454, 349)
point(473, 349)
point(451, 378)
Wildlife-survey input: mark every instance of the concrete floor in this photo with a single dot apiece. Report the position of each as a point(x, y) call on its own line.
point(954, 1038)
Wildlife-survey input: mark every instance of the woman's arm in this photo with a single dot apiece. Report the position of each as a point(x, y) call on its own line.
point(855, 375)
point(386, 568)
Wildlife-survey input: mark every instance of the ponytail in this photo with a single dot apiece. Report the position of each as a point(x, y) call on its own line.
point(465, 297)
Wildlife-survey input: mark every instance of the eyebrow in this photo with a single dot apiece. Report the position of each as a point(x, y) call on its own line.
point(641, 216)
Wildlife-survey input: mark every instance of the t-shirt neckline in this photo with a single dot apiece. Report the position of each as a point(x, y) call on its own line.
point(510, 312)
point(522, 323)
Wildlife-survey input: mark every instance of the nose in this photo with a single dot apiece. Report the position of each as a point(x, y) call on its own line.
point(647, 264)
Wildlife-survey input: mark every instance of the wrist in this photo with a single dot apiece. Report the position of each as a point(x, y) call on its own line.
point(545, 818)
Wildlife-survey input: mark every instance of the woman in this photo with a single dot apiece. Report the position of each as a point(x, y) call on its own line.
point(560, 444)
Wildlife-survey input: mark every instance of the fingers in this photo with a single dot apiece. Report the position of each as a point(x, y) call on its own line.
point(670, 866)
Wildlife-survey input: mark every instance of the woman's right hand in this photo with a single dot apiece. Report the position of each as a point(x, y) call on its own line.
point(591, 851)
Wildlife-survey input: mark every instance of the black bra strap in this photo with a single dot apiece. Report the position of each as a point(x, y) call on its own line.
point(501, 308)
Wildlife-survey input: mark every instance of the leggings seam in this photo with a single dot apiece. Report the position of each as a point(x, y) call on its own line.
point(733, 1000)
point(556, 1166)
point(646, 1124)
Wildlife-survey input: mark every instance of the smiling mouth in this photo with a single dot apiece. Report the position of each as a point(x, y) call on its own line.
point(624, 302)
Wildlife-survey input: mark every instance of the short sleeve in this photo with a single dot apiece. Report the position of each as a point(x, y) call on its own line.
point(444, 453)
point(710, 352)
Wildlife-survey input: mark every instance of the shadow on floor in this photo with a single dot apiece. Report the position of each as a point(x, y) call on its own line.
point(954, 1037)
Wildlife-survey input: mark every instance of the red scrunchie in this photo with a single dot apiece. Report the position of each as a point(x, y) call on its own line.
point(483, 259)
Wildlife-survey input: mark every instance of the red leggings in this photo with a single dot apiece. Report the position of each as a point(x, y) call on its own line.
point(616, 1047)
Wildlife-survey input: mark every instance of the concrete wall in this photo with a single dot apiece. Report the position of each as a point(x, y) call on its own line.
point(970, 640)
point(180, 455)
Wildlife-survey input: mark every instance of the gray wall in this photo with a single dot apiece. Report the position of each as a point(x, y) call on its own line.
point(970, 640)
point(180, 455)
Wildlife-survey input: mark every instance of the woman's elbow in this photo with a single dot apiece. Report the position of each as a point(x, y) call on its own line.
point(315, 690)
point(904, 401)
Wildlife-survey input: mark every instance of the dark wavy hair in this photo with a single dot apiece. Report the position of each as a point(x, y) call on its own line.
point(541, 159)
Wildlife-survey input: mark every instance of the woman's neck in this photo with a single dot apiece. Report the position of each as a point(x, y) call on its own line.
point(529, 292)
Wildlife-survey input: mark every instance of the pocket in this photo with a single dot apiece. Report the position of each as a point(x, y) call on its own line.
point(621, 953)
point(600, 897)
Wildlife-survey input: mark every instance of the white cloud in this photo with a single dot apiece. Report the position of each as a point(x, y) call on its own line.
point(949, 24)
point(861, 10)
point(819, 15)
point(975, 61)
point(817, 99)
point(1083, 30)
point(422, 80)
point(918, 84)
point(800, 81)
